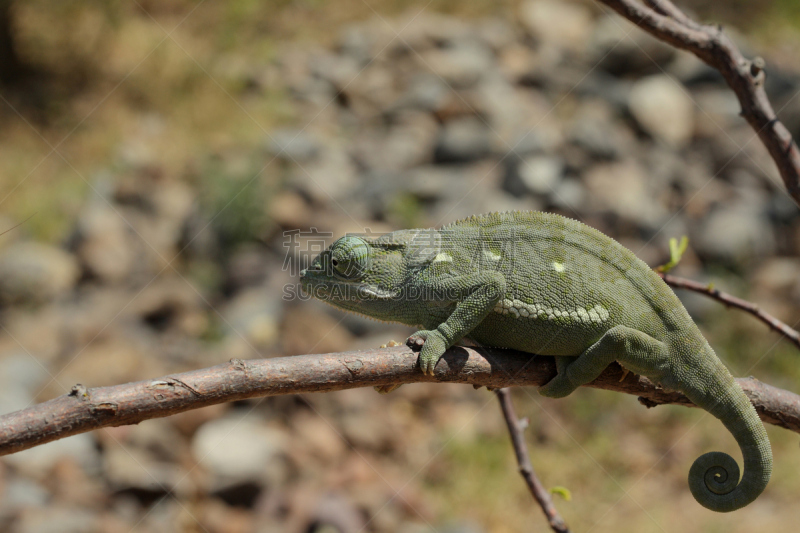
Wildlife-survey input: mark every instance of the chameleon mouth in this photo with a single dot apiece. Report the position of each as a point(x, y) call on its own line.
point(321, 286)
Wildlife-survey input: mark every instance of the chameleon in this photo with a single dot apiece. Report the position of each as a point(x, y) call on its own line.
point(548, 285)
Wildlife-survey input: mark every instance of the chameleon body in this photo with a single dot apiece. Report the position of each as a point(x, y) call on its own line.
point(549, 285)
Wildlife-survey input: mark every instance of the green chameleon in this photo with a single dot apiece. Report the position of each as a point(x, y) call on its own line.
point(548, 285)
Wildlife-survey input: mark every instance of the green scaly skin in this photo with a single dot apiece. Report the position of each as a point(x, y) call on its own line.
point(545, 284)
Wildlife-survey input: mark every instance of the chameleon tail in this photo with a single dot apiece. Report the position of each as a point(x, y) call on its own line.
point(714, 476)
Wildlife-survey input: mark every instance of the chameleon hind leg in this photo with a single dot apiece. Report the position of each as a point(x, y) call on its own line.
point(620, 343)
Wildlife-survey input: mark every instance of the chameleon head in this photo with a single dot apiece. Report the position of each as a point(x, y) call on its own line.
point(357, 275)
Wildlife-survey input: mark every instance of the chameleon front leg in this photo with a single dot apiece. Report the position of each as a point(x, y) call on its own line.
point(477, 295)
point(620, 343)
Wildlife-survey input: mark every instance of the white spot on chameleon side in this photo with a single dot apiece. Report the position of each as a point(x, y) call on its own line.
point(518, 308)
point(491, 256)
point(442, 257)
point(558, 266)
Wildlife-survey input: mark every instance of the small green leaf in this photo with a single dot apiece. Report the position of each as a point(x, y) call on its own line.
point(564, 492)
point(676, 250)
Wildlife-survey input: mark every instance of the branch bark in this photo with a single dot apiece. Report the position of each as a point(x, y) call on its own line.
point(86, 409)
point(539, 493)
point(746, 77)
point(732, 301)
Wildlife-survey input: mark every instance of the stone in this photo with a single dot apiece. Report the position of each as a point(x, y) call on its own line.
point(663, 109)
point(57, 519)
point(569, 194)
point(563, 24)
point(594, 128)
point(736, 232)
point(102, 244)
point(328, 178)
point(247, 267)
point(408, 141)
point(239, 448)
point(292, 145)
point(253, 313)
point(462, 140)
point(33, 272)
point(497, 33)
point(618, 47)
point(537, 174)
point(21, 377)
point(461, 65)
point(338, 70)
point(425, 91)
point(622, 188)
point(37, 462)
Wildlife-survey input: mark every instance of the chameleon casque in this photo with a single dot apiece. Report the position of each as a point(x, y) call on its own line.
point(549, 285)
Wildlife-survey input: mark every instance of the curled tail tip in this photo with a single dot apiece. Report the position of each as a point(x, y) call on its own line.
point(714, 482)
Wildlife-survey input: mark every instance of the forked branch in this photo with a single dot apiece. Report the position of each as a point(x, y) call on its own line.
point(746, 77)
point(732, 301)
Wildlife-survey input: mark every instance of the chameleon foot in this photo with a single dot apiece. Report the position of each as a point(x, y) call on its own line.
point(558, 387)
point(433, 347)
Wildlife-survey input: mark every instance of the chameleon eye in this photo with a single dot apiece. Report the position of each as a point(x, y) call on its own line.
point(351, 257)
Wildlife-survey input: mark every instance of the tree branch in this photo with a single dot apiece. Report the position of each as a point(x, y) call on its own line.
point(540, 494)
point(666, 22)
point(732, 301)
point(87, 409)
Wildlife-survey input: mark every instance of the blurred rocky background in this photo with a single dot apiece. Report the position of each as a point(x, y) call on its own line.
point(166, 148)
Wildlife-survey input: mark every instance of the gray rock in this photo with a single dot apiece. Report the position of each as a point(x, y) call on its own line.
point(618, 47)
point(463, 140)
point(21, 492)
point(718, 109)
point(569, 195)
point(562, 24)
point(736, 232)
point(239, 448)
point(35, 272)
point(329, 177)
point(421, 31)
point(426, 91)
point(21, 377)
point(292, 145)
point(500, 102)
point(595, 129)
point(338, 70)
point(461, 65)
point(247, 267)
point(497, 33)
point(607, 88)
point(537, 174)
point(58, 519)
point(253, 314)
point(663, 109)
point(622, 188)
point(408, 142)
point(102, 245)
point(40, 460)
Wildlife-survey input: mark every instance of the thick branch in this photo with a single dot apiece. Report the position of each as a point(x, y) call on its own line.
point(732, 301)
point(745, 77)
point(540, 494)
point(87, 409)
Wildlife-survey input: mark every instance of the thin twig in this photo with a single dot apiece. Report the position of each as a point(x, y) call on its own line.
point(666, 22)
point(86, 409)
point(540, 494)
point(732, 301)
